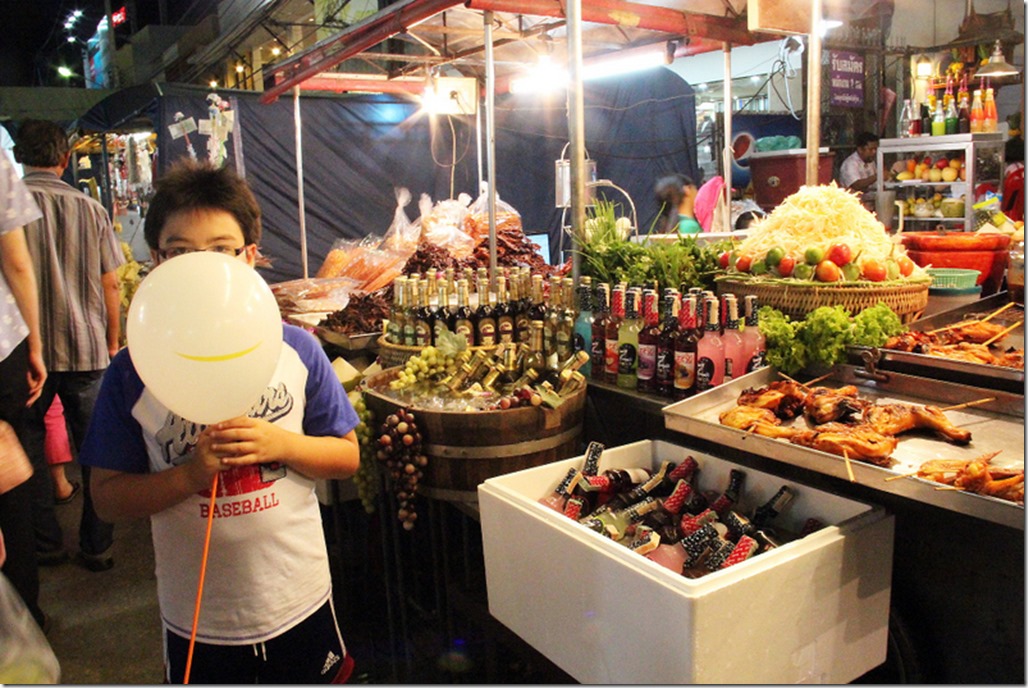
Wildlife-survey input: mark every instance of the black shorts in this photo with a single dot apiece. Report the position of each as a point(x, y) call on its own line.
point(311, 652)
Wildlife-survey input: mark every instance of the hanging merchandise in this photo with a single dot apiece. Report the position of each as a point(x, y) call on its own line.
point(218, 125)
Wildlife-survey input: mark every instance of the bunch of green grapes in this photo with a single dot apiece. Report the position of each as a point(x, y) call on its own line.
point(366, 478)
point(430, 365)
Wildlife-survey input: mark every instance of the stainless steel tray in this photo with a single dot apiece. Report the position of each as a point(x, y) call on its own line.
point(995, 425)
point(999, 377)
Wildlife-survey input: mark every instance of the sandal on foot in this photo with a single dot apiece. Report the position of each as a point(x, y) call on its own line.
point(76, 487)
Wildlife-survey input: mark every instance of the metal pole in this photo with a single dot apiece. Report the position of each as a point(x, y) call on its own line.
point(814, 93)
point(298, 126)
point(576, 131)
point(727, 153)
point(478, 143)
point(490, 137)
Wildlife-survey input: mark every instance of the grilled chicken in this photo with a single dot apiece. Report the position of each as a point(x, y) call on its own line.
point(977, 476)
point(783, 397)
point(976, 332)
point(825, 405)
point(964, 351)
point(755, 419)
point(960, 344)
point(893, 419)
point(909, 341)
point(860, 442)
point(1013, 358)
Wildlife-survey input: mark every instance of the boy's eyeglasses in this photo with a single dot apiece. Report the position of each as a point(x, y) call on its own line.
point(177, 251)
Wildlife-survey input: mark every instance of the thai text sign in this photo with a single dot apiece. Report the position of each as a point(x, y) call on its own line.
point(847, 78)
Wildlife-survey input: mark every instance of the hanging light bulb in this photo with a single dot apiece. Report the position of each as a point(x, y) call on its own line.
point(997, 65)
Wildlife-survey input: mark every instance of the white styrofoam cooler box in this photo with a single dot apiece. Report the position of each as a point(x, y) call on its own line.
point(815, 610)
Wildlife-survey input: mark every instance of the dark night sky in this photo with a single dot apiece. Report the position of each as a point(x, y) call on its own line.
point(34, 40)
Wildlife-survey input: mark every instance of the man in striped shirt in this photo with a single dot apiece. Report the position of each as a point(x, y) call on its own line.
point(75, 254)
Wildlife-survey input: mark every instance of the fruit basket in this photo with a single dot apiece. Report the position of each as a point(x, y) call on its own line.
point(907, 298)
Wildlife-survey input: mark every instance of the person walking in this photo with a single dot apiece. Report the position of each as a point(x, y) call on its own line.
point(22, 374)
point(75, 254)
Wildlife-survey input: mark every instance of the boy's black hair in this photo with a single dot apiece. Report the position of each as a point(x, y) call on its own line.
point(41, 143)
point(190, 185)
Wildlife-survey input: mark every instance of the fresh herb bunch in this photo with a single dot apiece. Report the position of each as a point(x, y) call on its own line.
point(822, 337)
point(669, 264)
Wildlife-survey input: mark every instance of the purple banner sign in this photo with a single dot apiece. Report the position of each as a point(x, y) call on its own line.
point(847, 78)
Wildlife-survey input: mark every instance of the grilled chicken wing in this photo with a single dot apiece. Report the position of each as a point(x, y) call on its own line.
point(976, 476)
point(860, 442)
point(824, 405)
point(783, 397)
point(755, 419)
point(893, 419)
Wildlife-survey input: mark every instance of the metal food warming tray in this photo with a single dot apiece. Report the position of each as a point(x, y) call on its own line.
point(995, 425)
point(996, 377)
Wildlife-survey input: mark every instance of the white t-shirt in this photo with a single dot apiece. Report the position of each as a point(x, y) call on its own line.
point(854, 168)
point(267, 567)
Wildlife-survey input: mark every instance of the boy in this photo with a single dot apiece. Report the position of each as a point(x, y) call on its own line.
point(267, 614)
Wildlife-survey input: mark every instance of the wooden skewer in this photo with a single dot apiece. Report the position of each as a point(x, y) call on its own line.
point(997, 312)
point(1004, 333)
point(805, 385)
point(902, 475)
point(954, 326)
point(976, 402)
point(987, 318)
point(811, 383)
point(849, 466)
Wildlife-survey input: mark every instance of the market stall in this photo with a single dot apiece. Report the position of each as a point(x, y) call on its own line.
point(819, 253)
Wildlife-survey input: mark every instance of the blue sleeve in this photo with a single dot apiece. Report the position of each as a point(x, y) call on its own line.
point(114, 439)
point(328, 411)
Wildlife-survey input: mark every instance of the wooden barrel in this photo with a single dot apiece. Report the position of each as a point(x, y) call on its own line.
point(466, 448)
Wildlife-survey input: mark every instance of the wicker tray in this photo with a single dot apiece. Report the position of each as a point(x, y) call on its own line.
point(907, 299)
point(390, 354)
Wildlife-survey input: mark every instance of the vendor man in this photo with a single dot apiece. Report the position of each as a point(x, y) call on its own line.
point(858, 172)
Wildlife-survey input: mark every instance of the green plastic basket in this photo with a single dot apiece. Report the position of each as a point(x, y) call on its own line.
point(953, 278)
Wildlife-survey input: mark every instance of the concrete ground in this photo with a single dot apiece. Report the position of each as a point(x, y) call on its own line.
point(105, 627)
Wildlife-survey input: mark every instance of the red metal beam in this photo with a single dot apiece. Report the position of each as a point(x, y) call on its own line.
point(355, 39)
point(633, 15)
point(337, 85)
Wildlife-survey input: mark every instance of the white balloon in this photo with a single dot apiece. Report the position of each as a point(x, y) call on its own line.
point(204, 333)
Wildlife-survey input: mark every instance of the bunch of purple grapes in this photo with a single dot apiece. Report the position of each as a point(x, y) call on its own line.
point(399, 448)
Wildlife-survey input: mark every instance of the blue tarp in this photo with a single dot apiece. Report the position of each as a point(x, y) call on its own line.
point(356, 149)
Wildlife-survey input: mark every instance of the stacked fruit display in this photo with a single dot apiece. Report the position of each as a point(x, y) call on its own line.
point(820, 234)
point(942, 169)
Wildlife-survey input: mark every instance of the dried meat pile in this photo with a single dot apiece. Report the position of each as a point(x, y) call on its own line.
point(364, 313)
